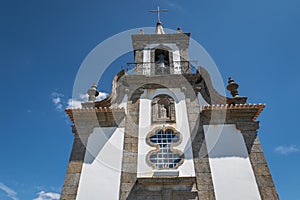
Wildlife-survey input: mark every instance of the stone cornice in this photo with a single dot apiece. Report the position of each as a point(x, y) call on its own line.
point(93, 117)
point(239, 112)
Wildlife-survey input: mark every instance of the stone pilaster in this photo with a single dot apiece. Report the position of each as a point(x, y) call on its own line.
point(258, 161)
point(130, 152)
point(202, 168)
point(72, 178)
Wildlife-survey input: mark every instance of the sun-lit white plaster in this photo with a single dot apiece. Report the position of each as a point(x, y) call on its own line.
point(146, 61)
point(182, 125)
point(176, 61)
point(232, 174)
point(102, 165)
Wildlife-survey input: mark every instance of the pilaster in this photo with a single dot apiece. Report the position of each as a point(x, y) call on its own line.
point(204, 182)
point(258, 161)
point(72, 178)
point(130, 152)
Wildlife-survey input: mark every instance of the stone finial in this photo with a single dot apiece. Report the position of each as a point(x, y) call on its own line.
point(141, 32)
point(232, 87)
point(179, 30)
point(93, 92)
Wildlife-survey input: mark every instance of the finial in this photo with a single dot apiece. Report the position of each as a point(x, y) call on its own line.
point(179, 30)
point(232, 87)
point(141, 31)
point(93, 92)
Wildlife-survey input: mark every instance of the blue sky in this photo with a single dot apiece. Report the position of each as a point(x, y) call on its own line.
point(43, 44)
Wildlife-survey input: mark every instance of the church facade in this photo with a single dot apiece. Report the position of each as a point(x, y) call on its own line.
point(164, 132)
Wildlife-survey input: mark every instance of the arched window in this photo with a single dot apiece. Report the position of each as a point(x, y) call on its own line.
point(162, 62)
point(165, 157)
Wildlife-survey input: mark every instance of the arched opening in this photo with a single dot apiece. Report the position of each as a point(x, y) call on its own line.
point(162, 62)
point(163, 109)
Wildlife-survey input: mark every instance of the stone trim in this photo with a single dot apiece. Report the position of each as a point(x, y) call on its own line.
point(130, 151)
point(72, 178)
point(257, 108)
point(103, 117)
point(204, 181)
point(170, 109)
point(155, 151)
point(258, 161)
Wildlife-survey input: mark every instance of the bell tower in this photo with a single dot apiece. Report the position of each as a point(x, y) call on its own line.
point(164, 132)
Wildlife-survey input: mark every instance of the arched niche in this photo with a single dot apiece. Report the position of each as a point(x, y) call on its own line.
point(163, 109)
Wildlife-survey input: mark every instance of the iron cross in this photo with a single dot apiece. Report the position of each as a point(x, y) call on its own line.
point(158, 11)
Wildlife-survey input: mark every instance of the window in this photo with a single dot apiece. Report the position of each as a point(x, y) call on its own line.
point(164, 157)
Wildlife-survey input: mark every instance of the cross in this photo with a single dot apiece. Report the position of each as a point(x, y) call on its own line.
point(158, 11)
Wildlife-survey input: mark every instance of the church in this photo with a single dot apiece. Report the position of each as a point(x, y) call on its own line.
point(166, 133)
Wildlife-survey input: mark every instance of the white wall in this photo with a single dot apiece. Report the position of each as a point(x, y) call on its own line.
point(146, 61)
point(232, 174)
point(182, 125)
point(101, 171)
point(177, 64)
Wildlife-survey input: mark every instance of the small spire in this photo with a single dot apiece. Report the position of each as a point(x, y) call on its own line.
point(232, 87)
point(93, 93)
point(159, 28)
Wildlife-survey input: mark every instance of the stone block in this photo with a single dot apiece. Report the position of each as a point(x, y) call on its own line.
point(256, 148)
point(69, 191)
point(127, 187)
point(202, 187)
point(72, 179)
point(257, 158)
point(269, 193)
point(68, 197)
point(130, 167)
point(265, 181)
point(75, 166)
point(206, 195)
point(204, 178)
point(261, 169)
point(202, 166)
point(128, 177)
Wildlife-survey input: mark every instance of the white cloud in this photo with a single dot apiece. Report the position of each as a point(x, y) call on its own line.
point(60, 103)
point(47, 196)
point(101, 96)
point(76, 103)
point(57, 100)
point(285, 150)
point(10, 193)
